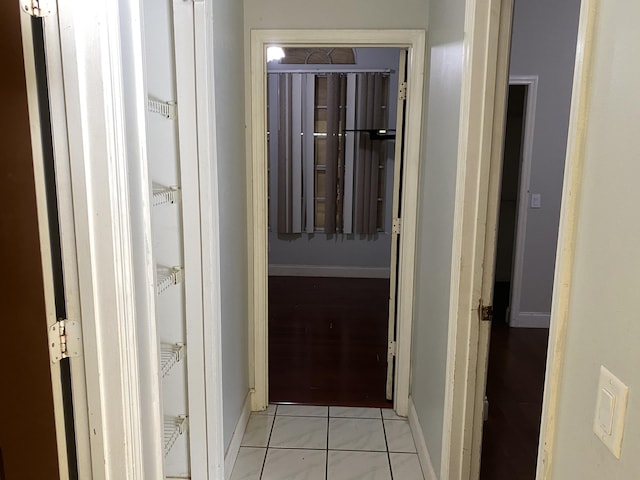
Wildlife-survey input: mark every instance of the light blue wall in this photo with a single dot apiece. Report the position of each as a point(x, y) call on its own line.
point(357, 14)
point(231, 156)
point(544, 44)
point(435, 222)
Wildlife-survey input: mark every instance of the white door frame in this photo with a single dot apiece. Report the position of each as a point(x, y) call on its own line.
point(493, 205)
point(483, 59)
point(562, 282)
point(414, 40)
point(81, 423)
point(531, 81)
point(195, 64)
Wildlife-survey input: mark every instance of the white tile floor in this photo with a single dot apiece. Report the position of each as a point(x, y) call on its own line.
point(295, 442)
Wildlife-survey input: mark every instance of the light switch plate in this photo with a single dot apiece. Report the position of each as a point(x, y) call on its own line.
point(536, 200)
point(611, 407)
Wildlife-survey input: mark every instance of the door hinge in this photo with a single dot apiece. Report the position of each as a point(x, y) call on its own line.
point(485, 312)
point(65, 340)
point(395, 227)
point(391, 349)
point(402, 91)
point(37, 8)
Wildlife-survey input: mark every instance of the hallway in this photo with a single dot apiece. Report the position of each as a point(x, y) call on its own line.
point(327, 443)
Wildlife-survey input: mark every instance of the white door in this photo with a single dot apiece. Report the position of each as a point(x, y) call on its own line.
point(493, 200)
point(57, 250)
point(130, 388)
point(395, 229)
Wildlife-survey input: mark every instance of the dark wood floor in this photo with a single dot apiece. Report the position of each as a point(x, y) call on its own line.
point(328, 343)
point(514, 388)
point(328, 340)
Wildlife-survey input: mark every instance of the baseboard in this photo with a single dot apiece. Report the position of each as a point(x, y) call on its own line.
point(421, 445)
point(327, 271)
point(530, 320)
point(234, 446)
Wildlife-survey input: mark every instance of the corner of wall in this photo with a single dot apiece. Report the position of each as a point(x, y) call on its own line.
point(421, 445)
point(232, 450)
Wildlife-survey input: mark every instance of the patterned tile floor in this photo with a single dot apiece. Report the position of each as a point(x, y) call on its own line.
point(297, 442)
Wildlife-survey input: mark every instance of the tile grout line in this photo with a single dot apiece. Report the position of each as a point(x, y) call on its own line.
point(386, 442)
point(266, 452)
point(326, 461)
point(352, 450)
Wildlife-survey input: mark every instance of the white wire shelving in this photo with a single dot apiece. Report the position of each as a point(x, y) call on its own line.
point(174, 426)
point(163, 195)
point(170, 355)
point(161, 107)
point(167, 277)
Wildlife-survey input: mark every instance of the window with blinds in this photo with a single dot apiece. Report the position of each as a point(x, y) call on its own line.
point(326, 163)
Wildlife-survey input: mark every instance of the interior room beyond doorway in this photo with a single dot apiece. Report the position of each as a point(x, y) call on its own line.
point(332, 122)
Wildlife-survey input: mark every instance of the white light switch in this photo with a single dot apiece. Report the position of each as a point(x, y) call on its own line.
point(536, 200)
point(611, 407)
point(605, 412)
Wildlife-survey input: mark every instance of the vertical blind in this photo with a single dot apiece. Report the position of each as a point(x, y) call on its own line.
point(325, 174)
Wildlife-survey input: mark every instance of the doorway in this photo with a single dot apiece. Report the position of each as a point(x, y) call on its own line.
point(515, 164)
point(333, 121)
point(414, 42)
point(517, 356)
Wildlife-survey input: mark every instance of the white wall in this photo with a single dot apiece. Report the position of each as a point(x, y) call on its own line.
point(308, 14)
point(435, 230)
point(356, 14)
point(230, 122)
point(368, 251)
point(543, 44)
point(603, 320)
point(335, 14)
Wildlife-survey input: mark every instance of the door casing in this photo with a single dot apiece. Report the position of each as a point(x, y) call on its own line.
point(531, 81)
point(562, 282)
point(414, 41)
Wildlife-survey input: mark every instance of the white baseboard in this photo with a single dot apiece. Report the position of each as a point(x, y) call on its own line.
point(234, 446)
point(421, 445)
point(530, 320)
point(327, 271)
